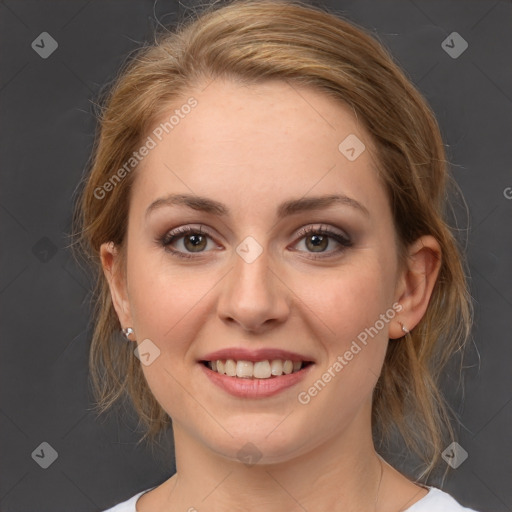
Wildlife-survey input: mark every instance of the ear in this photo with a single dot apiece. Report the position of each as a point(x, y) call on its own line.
point(109, 256)
point(416, 283)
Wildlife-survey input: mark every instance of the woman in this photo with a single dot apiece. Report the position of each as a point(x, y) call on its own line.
point(265, 212)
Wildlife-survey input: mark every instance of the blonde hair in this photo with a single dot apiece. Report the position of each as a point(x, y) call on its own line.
point(251, 41)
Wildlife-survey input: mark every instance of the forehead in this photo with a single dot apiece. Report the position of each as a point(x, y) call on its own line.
point(257, 145)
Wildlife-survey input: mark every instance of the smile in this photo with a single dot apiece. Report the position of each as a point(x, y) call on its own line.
point(243, 383)
point(265, 369)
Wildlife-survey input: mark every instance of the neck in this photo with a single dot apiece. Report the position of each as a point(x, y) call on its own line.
point(341, 473)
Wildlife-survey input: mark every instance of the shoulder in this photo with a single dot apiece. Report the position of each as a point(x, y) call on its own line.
point(128, 505)
point(437, 500)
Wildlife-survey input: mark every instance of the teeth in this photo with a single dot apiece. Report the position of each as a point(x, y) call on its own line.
point(287, 367)
point(244, 369)
point(230, 368)
point(276, 367)
point(261, 370)
point(258, 370)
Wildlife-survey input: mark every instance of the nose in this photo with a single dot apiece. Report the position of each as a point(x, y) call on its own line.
point(253, 296)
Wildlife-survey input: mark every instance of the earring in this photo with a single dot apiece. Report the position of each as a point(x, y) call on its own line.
point(404, 329)
point(127, 332)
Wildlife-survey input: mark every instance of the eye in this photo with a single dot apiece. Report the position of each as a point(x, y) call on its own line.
point(191, 239)
point(318, 239)
point(183, 242)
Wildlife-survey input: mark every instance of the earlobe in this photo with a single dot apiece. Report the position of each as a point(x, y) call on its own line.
point(405, 330)
point(417, 283)
point(116, 282)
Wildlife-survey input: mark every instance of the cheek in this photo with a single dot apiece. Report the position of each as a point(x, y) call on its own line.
point(348, 299)
point(168, 308)
point(167, 302)
point(346, 307)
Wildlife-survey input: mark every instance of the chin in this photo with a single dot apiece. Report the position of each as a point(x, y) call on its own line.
point(260, 447)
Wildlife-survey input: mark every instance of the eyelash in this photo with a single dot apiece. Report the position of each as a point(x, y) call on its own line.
point(167, 239)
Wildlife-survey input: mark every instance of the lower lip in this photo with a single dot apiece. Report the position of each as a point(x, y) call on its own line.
point(255, 388)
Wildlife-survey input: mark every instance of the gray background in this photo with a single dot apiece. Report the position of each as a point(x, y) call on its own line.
point(47, 130)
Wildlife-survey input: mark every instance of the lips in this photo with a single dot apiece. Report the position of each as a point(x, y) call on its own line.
point(263, 386)
point(239, 354)
point(255, 388)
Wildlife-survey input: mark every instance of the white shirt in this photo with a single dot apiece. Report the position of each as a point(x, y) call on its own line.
point(435, 500)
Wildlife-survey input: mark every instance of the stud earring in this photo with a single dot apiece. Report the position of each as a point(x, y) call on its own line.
point(127, 332)
point(404, 329)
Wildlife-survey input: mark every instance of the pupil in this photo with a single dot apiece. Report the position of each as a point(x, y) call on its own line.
point(195, 241)
point(318, 241)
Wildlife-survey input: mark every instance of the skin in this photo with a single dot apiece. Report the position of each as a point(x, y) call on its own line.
point(252, 148)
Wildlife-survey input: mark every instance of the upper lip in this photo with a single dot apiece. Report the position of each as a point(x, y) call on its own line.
point(243, 354)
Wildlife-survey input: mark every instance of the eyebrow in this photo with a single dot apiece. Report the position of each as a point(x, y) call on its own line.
point(290, 207)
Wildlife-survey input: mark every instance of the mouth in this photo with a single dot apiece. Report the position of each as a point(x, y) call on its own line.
point(256, 370)
point(257, 379)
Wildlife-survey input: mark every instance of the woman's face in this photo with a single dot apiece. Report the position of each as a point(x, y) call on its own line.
point(253, 278)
